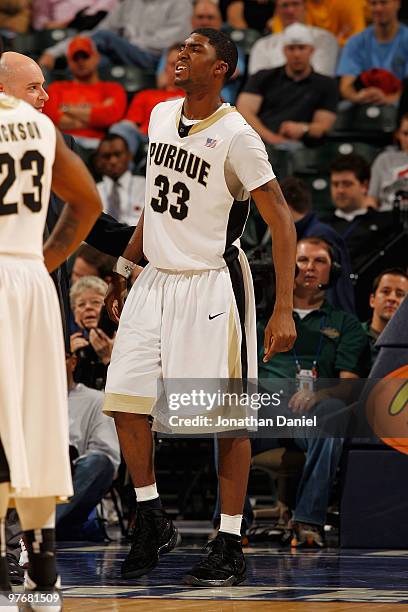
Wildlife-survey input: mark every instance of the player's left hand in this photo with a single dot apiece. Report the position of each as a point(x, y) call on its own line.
point(101, 344)
point(303, 401)
point(280, 333)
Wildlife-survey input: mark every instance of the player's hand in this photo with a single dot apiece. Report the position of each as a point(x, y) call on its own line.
point(77, 341)
point(101, 344)
point(280, 333)
point(302, 401)
point(115, 296)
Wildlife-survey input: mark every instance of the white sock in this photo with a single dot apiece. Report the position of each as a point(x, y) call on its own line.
point(146, 493)
point(231, 524)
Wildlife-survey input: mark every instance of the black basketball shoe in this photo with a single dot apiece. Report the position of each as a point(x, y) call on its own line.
point(154, 535)
point(223, 566)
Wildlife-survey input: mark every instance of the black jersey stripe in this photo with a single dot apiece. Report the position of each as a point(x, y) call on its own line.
point(236, 223)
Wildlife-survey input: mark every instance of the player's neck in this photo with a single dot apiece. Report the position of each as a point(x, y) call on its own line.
point(200, 106)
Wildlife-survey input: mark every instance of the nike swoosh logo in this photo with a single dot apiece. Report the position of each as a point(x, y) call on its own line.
point(211, 317)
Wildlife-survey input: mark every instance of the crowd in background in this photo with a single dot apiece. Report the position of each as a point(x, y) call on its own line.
point(308, 71)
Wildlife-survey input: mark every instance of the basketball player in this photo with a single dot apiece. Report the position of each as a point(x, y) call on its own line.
point(191, 314)
point(34, 461)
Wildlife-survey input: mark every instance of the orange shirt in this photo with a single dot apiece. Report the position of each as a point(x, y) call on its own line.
point(343, 18)
point(144, 102)
point(108, 103)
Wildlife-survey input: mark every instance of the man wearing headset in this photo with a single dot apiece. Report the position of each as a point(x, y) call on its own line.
point(330, 345)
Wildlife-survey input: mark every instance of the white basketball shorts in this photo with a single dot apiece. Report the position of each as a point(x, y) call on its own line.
point(182, 325)
point(34, 428)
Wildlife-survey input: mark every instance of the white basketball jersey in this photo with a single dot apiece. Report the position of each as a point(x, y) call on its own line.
point(195, 209)
point(27, 151)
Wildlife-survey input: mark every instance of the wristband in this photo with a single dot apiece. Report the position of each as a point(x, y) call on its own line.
point(124, 267)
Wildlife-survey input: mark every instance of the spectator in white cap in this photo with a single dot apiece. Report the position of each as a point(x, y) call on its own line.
point(268, 52)
point(292, 103)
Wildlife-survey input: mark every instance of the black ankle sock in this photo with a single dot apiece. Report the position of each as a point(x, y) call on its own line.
point(40, 545)
point(4, 578)
point(230, 536)
point(151, 504)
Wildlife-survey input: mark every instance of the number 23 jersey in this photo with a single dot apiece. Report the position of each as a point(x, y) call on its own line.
point(27, 151)
point(197, 191)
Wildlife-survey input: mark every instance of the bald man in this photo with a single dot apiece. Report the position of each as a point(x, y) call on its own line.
point(21, 77)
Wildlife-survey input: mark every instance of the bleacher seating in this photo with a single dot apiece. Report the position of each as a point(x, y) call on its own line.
point(34, 43)
point(132, 78)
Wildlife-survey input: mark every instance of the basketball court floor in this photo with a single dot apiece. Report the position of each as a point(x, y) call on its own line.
point(328, 580)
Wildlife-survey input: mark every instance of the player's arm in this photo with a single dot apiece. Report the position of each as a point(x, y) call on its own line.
point(72, 183)
point(115, 296)
point(280, 332)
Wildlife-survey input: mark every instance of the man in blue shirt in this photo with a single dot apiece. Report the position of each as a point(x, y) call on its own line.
point(383, 45)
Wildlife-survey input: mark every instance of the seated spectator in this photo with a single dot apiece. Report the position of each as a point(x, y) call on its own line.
point(76, 14)
point(253, 14)
point(389, 290)
point(85, 107)
point(330, 344)
point(122, 193)
point(135, 33)
point(343, 18)
point(290, 103)
point(136, 122)
point(91, 262)
point(364, 229)
point(299, 200)
point(389, 173)
point(268, 53)
point(206, 14)
point(15, 17)
point(92, 345)
point(382, 46)
point(95, 454)
point(373, 238)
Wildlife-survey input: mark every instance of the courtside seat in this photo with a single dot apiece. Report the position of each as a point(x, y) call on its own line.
point(286, 465)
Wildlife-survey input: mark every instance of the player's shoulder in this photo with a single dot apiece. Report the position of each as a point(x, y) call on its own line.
point(235, 123)
point(11, 105)
point(168, 106)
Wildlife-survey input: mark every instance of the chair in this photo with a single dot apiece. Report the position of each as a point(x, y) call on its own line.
point(243, 38)
point(281, 161)
point(34, 43)
point(371, 118)
point(132, 78)
point(285, 464)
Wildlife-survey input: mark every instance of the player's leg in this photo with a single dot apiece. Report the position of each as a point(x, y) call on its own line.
point(4, 500)
point(131, 391)
point(204, 339)
point(37, 518)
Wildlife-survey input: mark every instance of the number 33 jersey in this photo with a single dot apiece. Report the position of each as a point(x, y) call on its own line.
point(198, 184)
point(27, 151)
